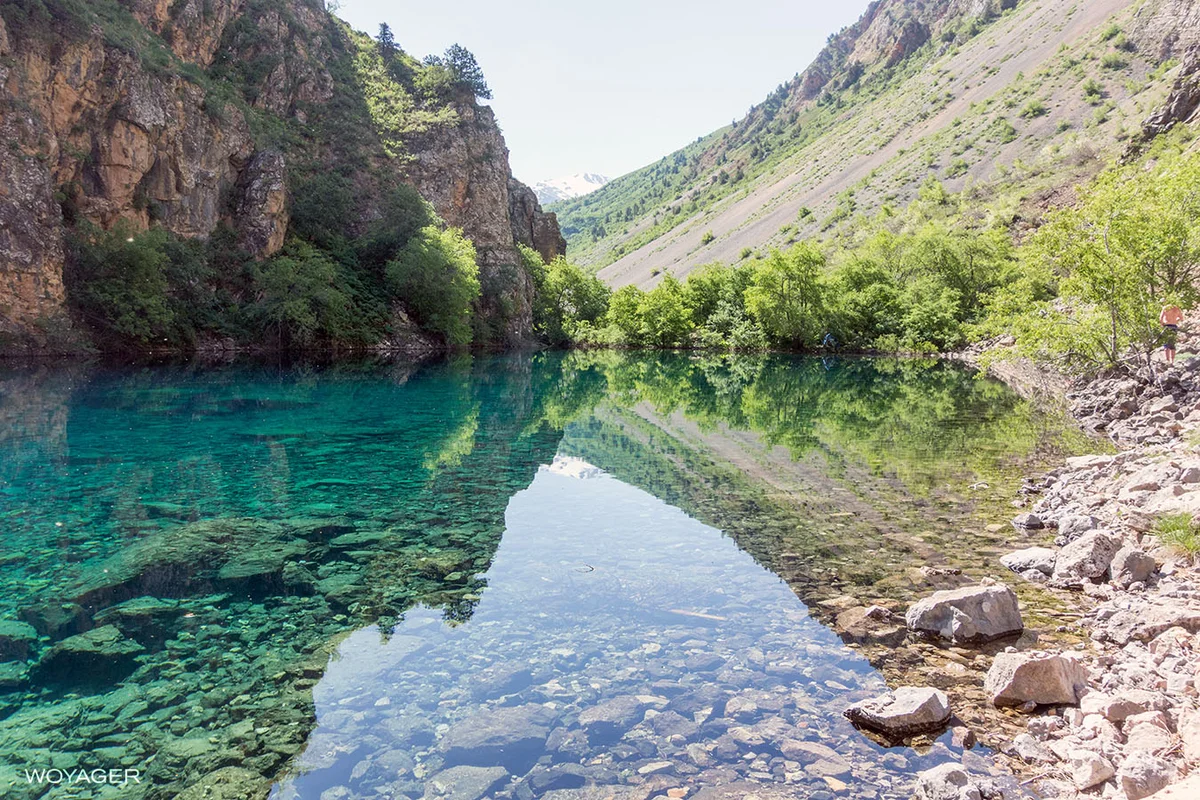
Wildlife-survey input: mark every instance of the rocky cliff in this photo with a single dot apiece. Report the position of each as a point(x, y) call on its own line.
point(191, 114)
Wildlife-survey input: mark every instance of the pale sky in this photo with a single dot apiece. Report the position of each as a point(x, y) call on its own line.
point(611, 86)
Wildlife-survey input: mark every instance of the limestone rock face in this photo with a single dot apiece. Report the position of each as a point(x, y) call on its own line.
point(1017, 678)
point(95, 135)
point(463, 171)
point(972, 614)
point(262, 208)
point(531, 226)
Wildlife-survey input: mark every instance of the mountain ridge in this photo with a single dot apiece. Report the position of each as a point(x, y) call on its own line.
point(569, 187)
point(958, 92)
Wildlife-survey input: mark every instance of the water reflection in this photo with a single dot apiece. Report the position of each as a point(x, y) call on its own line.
point(184, 548)
point(620, 644)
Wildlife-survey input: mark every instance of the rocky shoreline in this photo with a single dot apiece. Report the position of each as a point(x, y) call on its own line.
point(1117, 715)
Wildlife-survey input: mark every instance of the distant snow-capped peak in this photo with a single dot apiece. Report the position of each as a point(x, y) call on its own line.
point(566, 188)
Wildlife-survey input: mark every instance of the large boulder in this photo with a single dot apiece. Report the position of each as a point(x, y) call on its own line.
point(1043, 678)
point(951, 782)
point(1130, 565)
point(971, 615)
point(1142, 774)
point(908, 711)
point(1086, 558)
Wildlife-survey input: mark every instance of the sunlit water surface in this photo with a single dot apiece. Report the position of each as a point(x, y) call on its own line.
point(439, 580)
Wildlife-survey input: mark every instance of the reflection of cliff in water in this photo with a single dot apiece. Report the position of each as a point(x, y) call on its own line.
point(192, 545)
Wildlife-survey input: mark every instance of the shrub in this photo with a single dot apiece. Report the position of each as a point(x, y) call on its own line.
point(785, 295)
point(1093, 91)
point(1034, 108)
point(117, 281)
point(1113, 60)
point(437, 279)
point(298, 298)
point(707, 238)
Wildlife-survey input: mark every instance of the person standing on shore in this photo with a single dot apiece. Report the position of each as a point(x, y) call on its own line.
point(1169, 318)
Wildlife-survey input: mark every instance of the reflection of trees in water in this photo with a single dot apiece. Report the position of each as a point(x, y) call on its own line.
point(918, 418)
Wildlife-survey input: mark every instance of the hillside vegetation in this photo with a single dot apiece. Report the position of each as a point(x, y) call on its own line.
point(1009, 105)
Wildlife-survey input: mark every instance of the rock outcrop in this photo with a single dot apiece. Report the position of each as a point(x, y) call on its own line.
point(167, 132)
point(531, 226)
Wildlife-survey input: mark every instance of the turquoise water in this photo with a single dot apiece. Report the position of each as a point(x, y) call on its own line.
point(499, 577)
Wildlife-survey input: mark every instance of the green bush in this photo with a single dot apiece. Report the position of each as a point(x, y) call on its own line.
point(117, 282)
point(785, 295)
point(298, 299)
point(435, 276)
point(567, 302)
point(1113, 60)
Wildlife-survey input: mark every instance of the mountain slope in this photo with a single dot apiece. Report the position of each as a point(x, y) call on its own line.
point(195, 115)
point(1012, 103)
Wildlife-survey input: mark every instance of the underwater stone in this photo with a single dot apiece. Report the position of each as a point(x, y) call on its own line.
point(464, 783)
point(16, 640)
point(146, 619)
point(55, 619)
point(102, 655)
point(512, 737)
point(227, 783)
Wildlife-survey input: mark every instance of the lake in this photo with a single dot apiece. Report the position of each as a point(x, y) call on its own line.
point(583, 575)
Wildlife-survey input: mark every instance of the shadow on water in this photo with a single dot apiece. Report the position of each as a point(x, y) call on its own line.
point(186, 548)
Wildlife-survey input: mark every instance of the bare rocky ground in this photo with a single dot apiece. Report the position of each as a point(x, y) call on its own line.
point(1117, 715)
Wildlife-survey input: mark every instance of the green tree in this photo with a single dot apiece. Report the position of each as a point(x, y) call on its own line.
point(117, 281)
point(624, 313)
point(463, 68)
point(785, 295)
point(1131, 245)
point(566, 299)
point(298, 299)
point(665, 320)
point(435, 275)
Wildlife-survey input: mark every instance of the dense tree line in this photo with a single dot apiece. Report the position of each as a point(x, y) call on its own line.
point(1084, 291)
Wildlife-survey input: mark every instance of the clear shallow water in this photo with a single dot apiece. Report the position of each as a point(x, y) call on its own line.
point(321, 578)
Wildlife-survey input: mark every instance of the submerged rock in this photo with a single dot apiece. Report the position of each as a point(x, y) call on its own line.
point(465, 783)
point(227, 783)
point(971, 615)
point(511, 737)
point(870, 625)
point(16, 640)
point(102, 655)
point(908, 711)
point(1046, 679)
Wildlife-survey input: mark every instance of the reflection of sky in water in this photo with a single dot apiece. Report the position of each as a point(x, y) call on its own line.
point(602, 591)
